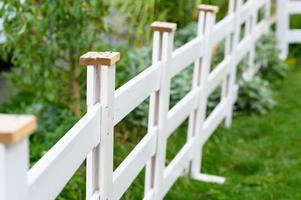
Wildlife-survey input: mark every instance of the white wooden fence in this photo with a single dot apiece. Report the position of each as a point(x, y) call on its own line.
point(91, 138)
point(286, 35)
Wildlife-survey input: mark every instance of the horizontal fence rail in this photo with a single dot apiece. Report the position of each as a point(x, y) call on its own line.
point(91, 138)
point(59, 164)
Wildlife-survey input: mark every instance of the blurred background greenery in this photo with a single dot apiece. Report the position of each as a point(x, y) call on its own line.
point(42, 76)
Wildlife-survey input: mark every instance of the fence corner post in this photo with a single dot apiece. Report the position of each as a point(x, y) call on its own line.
point(14, 155)
point(101, 88)
point(159, 106)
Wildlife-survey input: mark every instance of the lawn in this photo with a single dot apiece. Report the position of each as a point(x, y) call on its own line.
point(260, 155)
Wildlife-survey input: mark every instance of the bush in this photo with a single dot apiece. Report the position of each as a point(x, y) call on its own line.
point(45, 40)
point(255, 95)
point(267, 54)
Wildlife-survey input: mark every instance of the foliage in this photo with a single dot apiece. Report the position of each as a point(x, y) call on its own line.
point(133, 11)
point(255, 95)
point(45, 40)
point(181, 12)
point(53, 121)
point(185, 34)
point(267, 54)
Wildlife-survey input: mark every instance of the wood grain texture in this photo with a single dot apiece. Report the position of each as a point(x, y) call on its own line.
point(208, 8)
point(163, 26)
point(14, 128)
point(107, 58)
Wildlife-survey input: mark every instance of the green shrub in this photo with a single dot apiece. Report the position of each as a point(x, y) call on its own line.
point(267, 54)
point(255, 95)
point(45, 40)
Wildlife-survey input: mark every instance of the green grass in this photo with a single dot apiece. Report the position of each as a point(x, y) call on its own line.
point(260, 155)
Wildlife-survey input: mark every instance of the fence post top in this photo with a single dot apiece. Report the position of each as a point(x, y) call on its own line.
point(163, 26)
point(208, 8)
point(107, 58)
point(14, 128)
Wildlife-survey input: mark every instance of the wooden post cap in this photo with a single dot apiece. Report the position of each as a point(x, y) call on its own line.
point(163, 26)
point(208, 8)
point(100, 58)
point(14, 128)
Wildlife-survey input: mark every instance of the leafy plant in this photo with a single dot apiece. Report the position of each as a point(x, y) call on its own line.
point(267, 54)
point(134, 15)
point(255, 95)
point(45, 40)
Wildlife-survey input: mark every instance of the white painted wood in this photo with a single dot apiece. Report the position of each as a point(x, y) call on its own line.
point(294, 35)
point(235, 42)
point(241, 50)
point(218, 75)
point(177, 165)
point(228, 51)
point(196, 83)
point(134, 92)
point(260, 30)
point(2, 36)
point(250, 25)
point(95, 196)
point(107, 89)
point(128, 170)
point(210, 178)
point(223, 28)
point(149, 195)
point(2, 172)
point(14, 163)
point(267, 11)
point(160, 106)
point(178, 114)
point(153, 108)
point(46, 178)
point(206, 28)
point(282, 27)
point(245, 10)
point(293, 7)
point(213, 120)
point(246, 44)
point(92, 163)
point(186, 55)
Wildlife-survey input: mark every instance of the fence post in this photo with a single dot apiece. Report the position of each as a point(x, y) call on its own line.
point(206, 21)
point(282, 27)
point(267, 12)
point(196, 82)
point(232, 77)
point(228, 49)
point(250, 25)
point(101, 87)
point(159, 106)
point(14, 155)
